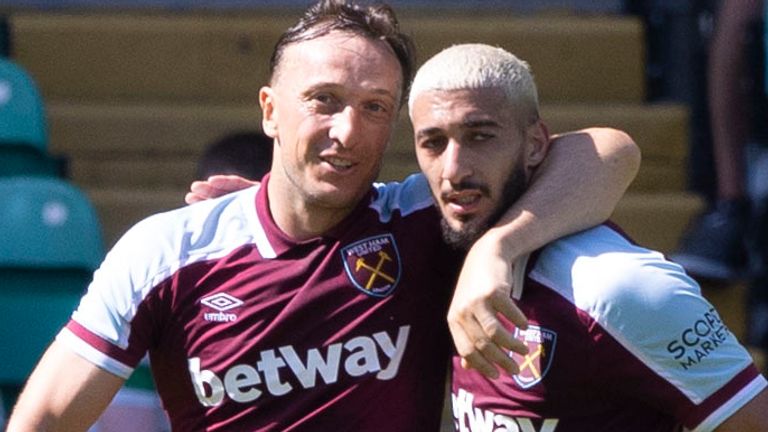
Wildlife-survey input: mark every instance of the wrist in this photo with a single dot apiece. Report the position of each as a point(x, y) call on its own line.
point(509, 240)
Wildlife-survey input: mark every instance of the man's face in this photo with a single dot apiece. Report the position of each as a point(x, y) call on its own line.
point(332, 107)
point(474, 155)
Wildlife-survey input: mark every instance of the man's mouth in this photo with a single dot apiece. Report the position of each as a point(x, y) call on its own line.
point(339, 164)
point(463, 203)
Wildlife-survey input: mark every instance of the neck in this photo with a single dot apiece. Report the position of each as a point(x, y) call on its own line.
point(296, 215)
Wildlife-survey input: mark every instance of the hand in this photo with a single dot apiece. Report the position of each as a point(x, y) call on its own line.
point(482, 292)
point(216, 186)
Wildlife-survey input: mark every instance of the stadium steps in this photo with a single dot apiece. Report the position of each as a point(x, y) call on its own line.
point(93, 134)
point(121, 207)
point(567, 53)
point(133, 97)
point(218, 58)
point(656, 219)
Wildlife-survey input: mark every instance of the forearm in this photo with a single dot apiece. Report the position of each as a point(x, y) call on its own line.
point(64, 393)
point(578, 186)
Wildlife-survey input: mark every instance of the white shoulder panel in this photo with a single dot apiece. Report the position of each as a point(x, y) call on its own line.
point(157, 247)
point(648, 304)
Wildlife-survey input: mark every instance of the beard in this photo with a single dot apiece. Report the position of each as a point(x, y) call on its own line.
point(513, 188)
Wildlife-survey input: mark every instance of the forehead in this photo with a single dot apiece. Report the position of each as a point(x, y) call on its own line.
point(343, 58)
point(449, 108)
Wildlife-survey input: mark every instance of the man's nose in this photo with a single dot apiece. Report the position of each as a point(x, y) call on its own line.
point(345, 127)
point(455, 163)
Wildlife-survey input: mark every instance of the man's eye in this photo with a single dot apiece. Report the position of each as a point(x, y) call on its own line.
point(480, 136)
point(324, 103)
point(432, 143)
point(376, 107)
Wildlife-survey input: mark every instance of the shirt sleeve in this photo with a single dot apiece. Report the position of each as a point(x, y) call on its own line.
point(655, 339)
point(107, 327)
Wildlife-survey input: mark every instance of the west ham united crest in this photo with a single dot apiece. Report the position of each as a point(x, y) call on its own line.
point(373, 264)
point(541, 349)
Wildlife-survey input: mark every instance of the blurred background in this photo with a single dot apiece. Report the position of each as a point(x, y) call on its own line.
point(135, 89)
point(131, 92)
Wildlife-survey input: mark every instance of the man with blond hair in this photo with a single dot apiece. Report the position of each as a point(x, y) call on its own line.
point(618, 338)
point(317, 300)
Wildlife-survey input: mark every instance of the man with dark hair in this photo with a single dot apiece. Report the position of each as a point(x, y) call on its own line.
point(618, 337)
point(377, 21)
point(315, 301)
point(244, 153)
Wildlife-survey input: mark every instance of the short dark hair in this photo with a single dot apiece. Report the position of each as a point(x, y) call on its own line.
point(375, 21)
point(244, 153)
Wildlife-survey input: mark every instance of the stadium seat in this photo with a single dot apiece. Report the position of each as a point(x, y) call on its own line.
point(5, 37)
point(23, 126)
point(51, 244)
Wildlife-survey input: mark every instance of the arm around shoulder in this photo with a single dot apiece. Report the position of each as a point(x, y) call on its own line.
point(595, 166)
point(64, 393)
point(577, 186)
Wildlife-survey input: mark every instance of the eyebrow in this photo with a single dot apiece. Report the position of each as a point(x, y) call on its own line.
point(471, 124)
point(467, 124)
point(427, 132)
point(333, 86)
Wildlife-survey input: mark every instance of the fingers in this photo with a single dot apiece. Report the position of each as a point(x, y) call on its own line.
point(471, 357)
point(477, 362)
point(191, 198)
point(489, 326)
point(489, 348)
point(201, 188)
point(488, 358)
point(483, 342)
point(229, 183)
point(506, 306)
point(474, 360)
point(492, 327)
point(483, 314)
point(215, 186)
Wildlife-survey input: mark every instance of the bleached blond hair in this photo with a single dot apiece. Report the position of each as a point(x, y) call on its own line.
point(479, 66)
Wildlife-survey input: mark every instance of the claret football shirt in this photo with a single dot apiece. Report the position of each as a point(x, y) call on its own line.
point(248, 329)
point(619, 339)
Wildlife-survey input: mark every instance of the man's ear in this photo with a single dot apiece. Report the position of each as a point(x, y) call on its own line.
point(268, 111)
point(537, 137)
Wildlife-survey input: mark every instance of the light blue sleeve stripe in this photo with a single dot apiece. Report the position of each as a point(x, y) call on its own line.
point(408, 196)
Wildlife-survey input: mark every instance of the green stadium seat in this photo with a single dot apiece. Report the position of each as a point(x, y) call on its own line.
point(23, 126)
point(51, 244)
point(5, 37)
point(22, 160)
point(22, 113)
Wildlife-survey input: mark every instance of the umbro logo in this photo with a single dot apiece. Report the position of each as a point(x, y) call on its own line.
point(221, 302)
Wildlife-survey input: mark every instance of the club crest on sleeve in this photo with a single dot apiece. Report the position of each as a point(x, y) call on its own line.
point(373, 264)
point(534, 366)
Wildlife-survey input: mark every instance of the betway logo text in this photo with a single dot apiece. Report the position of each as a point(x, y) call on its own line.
point(469, 418)
point(247, 382)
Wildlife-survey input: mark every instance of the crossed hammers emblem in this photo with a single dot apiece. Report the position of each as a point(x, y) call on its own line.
point(529, 362)
point(375, 271)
